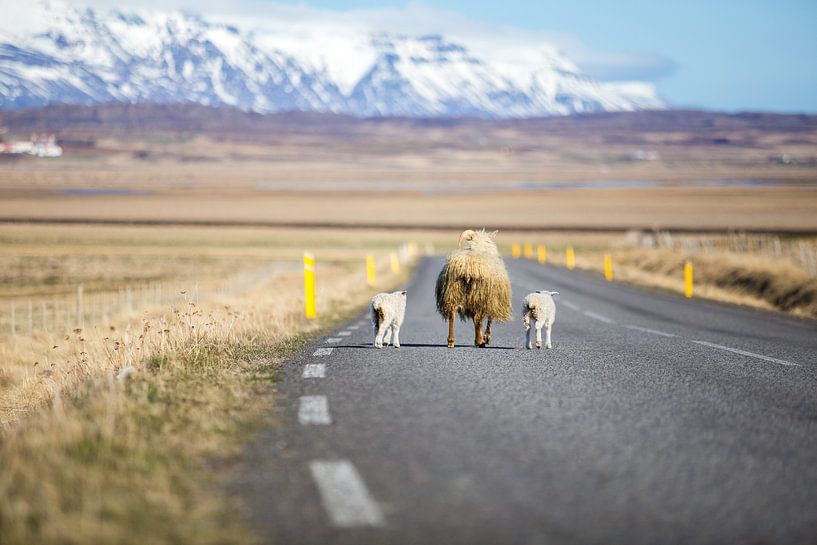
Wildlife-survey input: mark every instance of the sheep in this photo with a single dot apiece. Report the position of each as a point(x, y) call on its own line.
point(388, 312)
point(539, 307)
point(474, 284)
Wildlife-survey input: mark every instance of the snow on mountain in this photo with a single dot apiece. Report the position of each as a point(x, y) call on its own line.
point(84, 56)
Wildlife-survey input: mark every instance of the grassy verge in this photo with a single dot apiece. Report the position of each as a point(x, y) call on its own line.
point(88, 458)
point(723, 271)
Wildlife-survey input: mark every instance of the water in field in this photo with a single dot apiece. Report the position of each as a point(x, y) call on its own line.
point(454, 187)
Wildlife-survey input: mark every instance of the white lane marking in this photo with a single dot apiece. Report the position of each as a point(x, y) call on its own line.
point(598, 317)
point(352, 327)
point(344, 494)
point(314, 410)
point(333, 340)
point(648, 330)
point(344, 333)
point(314, 370)
point(568, 304)
point(323, 352)
point(745, 353)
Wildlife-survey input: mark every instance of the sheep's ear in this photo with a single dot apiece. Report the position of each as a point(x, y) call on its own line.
point(493, 234)
point(554, 293)
point(403, 293)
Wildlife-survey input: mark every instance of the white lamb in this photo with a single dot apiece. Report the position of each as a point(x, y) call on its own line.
point(388, 311)
point(539, 307)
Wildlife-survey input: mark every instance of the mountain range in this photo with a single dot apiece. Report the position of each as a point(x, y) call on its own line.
point(87, 56)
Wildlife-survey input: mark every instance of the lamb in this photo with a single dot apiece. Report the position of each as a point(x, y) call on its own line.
point(388, 312)
point(475, 285)
point(539, 307)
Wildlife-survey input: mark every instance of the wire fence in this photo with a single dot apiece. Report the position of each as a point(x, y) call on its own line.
point(81, 308)
point(800, 252)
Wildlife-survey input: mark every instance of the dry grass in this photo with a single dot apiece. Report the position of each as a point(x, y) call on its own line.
point(90, 459)
point(749, 278)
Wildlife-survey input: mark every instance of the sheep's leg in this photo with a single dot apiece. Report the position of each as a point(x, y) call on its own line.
point(396, 329)
point(478, 340)
point(539, 325)
point(451, 330)
point(375, 328)
point(488, 332)
point(387, 336)
point(381, 331)
point(548, 344)
point(527, 332)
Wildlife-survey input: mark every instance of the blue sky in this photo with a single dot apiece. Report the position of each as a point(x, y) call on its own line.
point(724, 55)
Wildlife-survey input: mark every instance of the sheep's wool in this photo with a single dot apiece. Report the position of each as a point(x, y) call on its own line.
point(474, 281)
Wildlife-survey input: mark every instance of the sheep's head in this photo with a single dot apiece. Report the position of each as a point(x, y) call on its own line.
point(466, 236)
point(478, 241)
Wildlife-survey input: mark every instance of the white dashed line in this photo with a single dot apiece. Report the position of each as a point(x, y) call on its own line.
point(648, 330)
point(314, 410)
point(568, 304)
point(323, 352)
point(344, 494)
point(598, 317)
point(333, 340)
point(314, 370)
point(344, 333)
point(745, 353)
point(353, 327)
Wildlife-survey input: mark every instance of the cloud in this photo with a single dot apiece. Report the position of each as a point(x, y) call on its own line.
point(505, 45)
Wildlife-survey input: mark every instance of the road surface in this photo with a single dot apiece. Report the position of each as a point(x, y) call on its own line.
point(653, 419)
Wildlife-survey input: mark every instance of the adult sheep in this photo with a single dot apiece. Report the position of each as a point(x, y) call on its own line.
point(475, 285)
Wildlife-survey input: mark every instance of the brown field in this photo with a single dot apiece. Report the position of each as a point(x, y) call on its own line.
point(669, 170)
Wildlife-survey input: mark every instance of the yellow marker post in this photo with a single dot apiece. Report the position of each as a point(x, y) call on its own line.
point(370, 277)
point(309, 286)
point(688, 279)
point(516, 251)
point(528, 250)
point(570, 258)
point(608, 267)
point(542, 254)
point(395, 263)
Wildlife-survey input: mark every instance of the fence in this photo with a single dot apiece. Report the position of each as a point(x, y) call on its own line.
point(802, 253)
point(81, 308)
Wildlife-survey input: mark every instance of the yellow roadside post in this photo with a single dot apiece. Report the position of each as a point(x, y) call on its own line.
point(309, 286)
point(608, 267)
point(570, 258)
point(395, 263)
point(370, 279)
point(542, 254)
point(516, 251)
point(528, 250)
point(688, 279)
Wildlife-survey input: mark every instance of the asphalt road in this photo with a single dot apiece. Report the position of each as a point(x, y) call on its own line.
point(653, 419)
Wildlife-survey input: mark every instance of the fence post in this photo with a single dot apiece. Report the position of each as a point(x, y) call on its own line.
point(608, 267)
point(79, 306)
point(370, 272)
point(528, 250)
point(310, 308)
point(570, 258)
point(542, 254)
point(516, 251)
point(30, 318)
point(688, 279)
point(395, 263)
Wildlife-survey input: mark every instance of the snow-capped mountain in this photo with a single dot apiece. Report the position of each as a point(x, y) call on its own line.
point(85, 56)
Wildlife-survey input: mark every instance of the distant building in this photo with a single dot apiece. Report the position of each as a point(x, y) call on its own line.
point(39, 146)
